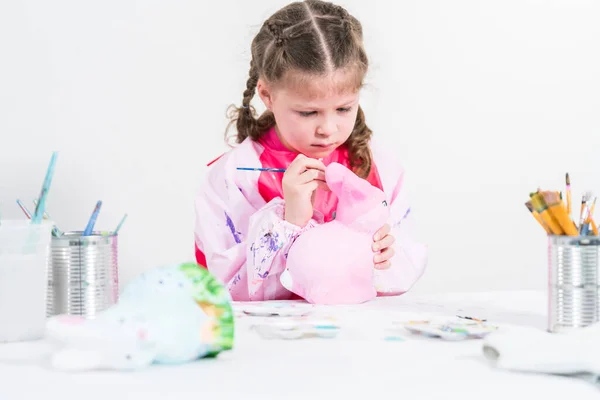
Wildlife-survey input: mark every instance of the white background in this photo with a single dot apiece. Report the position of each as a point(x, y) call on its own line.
point(487, 100)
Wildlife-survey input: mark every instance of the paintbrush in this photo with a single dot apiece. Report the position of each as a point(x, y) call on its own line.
point(590, 217)
point(120, 224)
point(38, 213)
point(92, 221)
point(55, 231)
point(536, 215)
point(568, 190)
point(261, 169)
point(584, 199)
point(539, 205)
point(557, 209)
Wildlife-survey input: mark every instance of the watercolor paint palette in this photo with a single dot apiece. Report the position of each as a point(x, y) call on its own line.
point(297, 328)
point(449, 328)
point(275, 308)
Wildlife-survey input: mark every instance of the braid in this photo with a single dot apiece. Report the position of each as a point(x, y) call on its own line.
point(250, 85)
point(246, 122)
point(358, 146)
point(245, 116)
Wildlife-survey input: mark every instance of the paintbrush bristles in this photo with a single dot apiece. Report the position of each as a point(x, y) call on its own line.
point(537, 203)
point(540, 206)
point(559, 213)
point(552, 209)
point(550, 197)
point(529, 206)
point(586, 197)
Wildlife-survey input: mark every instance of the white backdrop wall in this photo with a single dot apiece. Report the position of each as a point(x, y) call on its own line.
point(485, 100)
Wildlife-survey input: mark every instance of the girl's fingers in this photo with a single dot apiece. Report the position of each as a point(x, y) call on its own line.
point(311, 163)
point(309, 175)
point(302, 163)
point(383, 265)
point(320, 176)
point(311, 186)
point(384, 230)
point(384, 243)
point(385, 255)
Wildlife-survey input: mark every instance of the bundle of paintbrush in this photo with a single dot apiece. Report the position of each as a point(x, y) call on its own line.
point(40, 207)
point(89, 229)
point(554, 216)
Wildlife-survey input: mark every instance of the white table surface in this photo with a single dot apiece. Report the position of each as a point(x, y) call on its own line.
point(358, 362)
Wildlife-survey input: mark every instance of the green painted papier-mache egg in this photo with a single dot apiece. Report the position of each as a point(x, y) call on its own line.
point(214, 298)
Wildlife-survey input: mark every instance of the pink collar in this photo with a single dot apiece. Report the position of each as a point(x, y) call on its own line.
point(271, 142)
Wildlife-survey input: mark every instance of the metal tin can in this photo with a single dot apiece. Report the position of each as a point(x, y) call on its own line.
point(83, 276)
point(573, 282)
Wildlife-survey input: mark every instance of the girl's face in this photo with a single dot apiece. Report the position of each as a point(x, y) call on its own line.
point(313, 116)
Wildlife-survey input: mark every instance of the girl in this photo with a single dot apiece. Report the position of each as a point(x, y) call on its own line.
point(308, 64)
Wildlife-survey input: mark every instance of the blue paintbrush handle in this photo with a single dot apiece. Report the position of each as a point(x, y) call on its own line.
point(262, 169)
point(90, 226)
point(36, 218)
point(120, 224)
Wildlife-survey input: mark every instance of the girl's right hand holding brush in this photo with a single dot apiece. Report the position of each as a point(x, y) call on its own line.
point(300, 181)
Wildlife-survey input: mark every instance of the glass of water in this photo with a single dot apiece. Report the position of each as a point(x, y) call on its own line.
point(24, 258)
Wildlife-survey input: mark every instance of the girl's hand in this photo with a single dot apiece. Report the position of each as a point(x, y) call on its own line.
point(300, 181)
point(382, 246)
